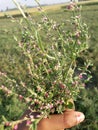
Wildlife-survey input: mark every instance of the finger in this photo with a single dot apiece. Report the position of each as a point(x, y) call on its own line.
point(72, 118)
point(61, 121)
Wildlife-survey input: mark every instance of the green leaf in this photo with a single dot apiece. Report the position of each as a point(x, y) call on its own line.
point(39, 41)
point(1, 127)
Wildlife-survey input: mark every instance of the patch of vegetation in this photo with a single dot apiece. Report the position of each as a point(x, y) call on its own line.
point(11, 62)
point(88, 104)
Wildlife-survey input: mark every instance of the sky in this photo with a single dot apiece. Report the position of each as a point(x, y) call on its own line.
point(4, 4)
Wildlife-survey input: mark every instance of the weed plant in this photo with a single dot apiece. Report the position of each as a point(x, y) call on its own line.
point(49, 53)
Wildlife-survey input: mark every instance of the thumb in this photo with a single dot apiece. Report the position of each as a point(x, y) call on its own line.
point(68, 119)
point(72, 118)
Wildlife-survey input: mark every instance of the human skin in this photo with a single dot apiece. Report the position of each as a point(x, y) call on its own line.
point(67, 119)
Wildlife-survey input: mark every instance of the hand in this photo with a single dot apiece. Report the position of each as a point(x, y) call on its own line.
point(68, 119)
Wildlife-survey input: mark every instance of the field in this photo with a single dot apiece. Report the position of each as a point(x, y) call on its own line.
point(11, 58)
point(8, 28)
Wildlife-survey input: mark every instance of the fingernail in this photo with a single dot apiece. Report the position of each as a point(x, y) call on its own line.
point(80, 117)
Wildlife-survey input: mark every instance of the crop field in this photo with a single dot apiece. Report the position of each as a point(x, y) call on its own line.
point(9, 28)
point(11, 60)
